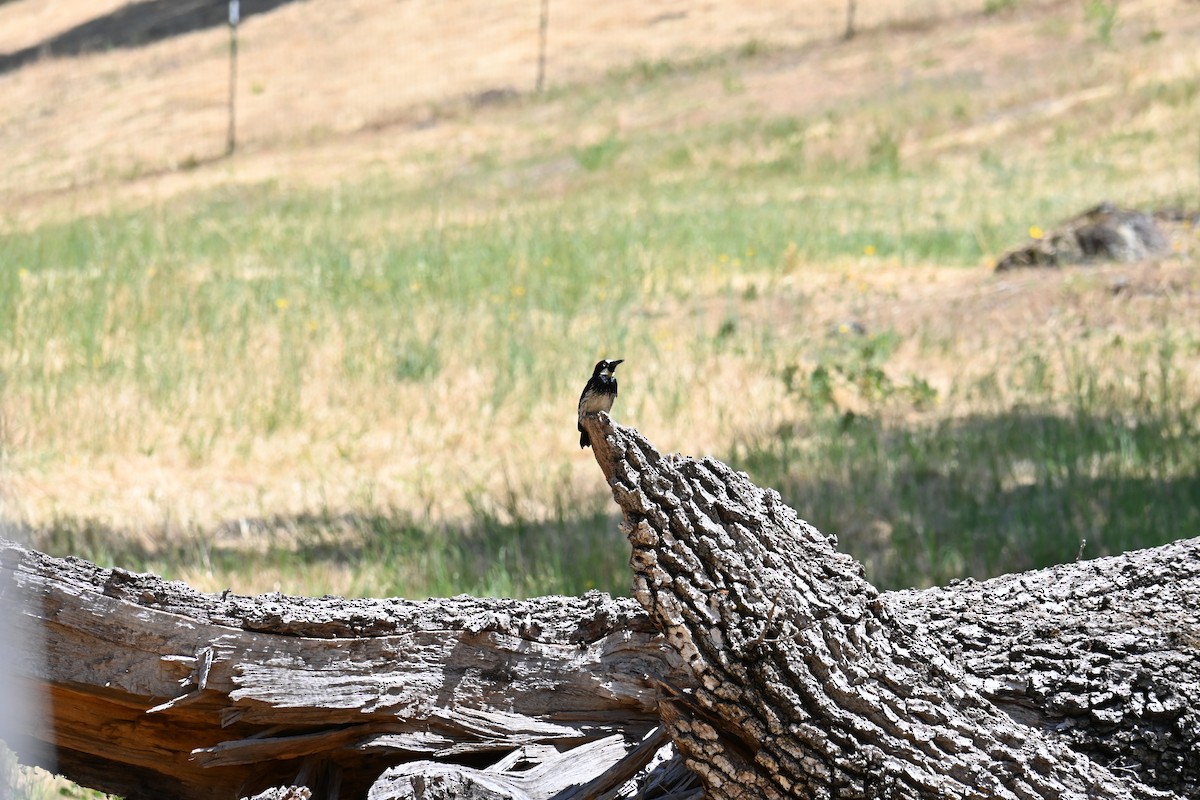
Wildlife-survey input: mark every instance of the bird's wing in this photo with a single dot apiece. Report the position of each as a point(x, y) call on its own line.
point(588, 387)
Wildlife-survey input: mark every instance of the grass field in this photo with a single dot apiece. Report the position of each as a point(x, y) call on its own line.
point(346, 360)
point(366, 380)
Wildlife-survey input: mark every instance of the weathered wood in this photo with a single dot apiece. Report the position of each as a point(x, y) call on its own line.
point(285, 793)
point(159, 690)
point(583, 773)
point(810, 682)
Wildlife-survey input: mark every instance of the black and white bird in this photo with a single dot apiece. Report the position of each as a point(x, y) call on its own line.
point(598, 395)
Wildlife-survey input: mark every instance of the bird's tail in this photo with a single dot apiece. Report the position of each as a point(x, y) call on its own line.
point(584, 441)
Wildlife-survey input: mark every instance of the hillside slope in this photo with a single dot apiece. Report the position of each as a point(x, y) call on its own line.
point(328, 91)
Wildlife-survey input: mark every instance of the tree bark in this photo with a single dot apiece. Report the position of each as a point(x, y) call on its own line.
point(809, 681)
point(1105, 654)
point(777, 670)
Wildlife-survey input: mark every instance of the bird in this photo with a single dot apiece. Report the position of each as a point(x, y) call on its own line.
point(598, 395)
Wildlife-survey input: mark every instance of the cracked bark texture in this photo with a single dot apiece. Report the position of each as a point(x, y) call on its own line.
point(810, 683)
point(1105, 654)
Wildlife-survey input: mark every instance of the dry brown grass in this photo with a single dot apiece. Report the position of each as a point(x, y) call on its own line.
point(332, 93)
point(329, 92)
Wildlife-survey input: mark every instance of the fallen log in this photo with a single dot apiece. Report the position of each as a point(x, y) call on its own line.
point(777, 669)
point(158, 690)
point(811, 683)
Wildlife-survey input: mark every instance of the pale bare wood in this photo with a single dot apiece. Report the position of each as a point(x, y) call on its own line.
point(158, 690)
point(285, 793)
point(582, 773)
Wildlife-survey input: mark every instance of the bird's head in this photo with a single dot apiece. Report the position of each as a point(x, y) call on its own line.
point(605, 367)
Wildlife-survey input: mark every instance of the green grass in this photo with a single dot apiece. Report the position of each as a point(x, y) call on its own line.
point(174, 303)
point(29, 783)
point(1081, 465)
point(229, 320)
point(386, 554)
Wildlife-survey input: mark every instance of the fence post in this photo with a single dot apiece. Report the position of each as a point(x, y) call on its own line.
point(231, 136)
point(543, 25)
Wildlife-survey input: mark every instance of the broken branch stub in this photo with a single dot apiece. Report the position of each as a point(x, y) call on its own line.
point(808, 683)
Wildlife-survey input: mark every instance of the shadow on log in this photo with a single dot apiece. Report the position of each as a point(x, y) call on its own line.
point(775, 669)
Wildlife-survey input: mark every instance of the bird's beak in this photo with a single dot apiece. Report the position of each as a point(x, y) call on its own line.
point(614, 363)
